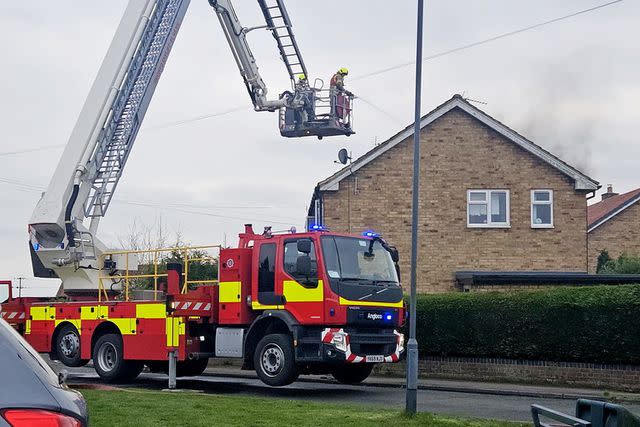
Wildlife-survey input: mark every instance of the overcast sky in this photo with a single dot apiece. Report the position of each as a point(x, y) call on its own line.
point(571, 87)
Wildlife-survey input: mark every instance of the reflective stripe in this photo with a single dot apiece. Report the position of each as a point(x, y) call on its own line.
point(22, 315)
point(257, 306)
point(296, 292)
point(197, 306)
point(208, 306)
point(12, 315)
point(126, 326)
point(99, 312)
point(370, 303)
point(186, 305)
point(174, 327)
point(43, 313)
point(229, 291)
point(151, 311)
point(75, 322)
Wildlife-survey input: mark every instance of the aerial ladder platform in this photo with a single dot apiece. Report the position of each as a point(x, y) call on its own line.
point(62, 243)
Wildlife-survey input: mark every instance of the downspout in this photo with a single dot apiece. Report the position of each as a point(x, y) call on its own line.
point(589, 197)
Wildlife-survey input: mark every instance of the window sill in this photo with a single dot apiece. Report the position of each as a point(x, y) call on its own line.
point(488, 225)
point(544, 226)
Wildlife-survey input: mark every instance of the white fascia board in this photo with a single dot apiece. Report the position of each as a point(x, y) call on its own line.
point(582, 182)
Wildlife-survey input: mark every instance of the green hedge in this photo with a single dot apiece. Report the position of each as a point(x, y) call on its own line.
point(595, 324)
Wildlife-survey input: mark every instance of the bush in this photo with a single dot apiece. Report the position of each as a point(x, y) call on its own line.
point(596, 324)
point(625, 264)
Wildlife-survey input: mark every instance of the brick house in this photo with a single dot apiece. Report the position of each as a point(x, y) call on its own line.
point(614, 225)
point(490, 200)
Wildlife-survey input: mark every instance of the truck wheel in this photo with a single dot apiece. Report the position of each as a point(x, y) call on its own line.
point(191, 368)
point(109, 363)
point(274, 360)
point(67, 346)
point(352, 373)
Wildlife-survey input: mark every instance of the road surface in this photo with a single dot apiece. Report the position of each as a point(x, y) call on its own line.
point(480, 405)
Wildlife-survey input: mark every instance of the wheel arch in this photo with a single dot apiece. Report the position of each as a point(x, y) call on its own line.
point(269, 322)
point(104, 328)
point(53, 353)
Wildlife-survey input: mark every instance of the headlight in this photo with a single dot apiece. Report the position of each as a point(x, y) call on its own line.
point(340, 341)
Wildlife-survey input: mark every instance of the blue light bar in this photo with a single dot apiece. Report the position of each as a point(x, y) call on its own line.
point(317, 227)
point(370, 233)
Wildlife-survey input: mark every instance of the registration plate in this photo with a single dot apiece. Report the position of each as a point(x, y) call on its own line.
point(374, 359)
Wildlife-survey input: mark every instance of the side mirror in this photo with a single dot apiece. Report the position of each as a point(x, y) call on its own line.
point(304, 246)
point(303, 266)
point(62, 376)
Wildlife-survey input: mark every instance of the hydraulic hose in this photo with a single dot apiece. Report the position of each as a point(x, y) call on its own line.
point(67, 216)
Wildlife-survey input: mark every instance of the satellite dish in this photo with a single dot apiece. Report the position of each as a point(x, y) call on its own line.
point(343, 156)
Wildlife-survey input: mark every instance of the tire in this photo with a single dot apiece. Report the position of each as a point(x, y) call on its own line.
point(109, 363)
point(274, 360)
point(352, 373)
point(67, 347)
point(191, 368)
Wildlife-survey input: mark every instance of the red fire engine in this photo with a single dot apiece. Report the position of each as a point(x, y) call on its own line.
point(285, 304)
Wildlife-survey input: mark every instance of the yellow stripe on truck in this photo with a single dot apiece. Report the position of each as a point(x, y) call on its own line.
point(371, 303)
point(151, 311)
point(95, 312)
point(175, 328)
point(296, 292)
point(75, 322)
point(229, 291)
point(43, 313)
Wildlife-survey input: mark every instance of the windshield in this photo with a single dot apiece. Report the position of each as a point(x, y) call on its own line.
point(348, 258)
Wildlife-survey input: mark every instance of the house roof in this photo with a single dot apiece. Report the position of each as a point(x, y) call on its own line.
point(582, 181)
point(601, 212)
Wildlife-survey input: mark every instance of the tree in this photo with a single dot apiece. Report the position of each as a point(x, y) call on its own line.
point(625, 264)
point(603, 260)
point(148, 238)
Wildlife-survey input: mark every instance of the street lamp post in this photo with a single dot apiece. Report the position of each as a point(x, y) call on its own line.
point(412, 346)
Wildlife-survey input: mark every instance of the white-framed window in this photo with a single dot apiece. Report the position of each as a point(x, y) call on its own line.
point(541, 208)
point(488, 208)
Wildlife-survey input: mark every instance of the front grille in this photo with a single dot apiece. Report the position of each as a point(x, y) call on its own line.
point(374, 344)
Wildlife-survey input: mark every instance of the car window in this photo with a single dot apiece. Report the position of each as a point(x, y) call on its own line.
point(4, 292)
point(25, 352)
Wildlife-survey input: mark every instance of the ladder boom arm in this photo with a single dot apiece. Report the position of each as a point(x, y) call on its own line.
point(236, 36)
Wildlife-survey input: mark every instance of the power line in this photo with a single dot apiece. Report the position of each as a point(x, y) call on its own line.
point(377, 72)
point(196, 119)
point(485, 41)
point(23, 186)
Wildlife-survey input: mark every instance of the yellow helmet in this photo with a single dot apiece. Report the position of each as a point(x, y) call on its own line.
point(301, 76)
point(343, 70)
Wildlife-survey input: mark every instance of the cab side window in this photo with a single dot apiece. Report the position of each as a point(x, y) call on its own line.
point(291, 255)
point(266, 268)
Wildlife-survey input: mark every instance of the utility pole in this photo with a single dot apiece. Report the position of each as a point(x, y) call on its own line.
point(412, 346)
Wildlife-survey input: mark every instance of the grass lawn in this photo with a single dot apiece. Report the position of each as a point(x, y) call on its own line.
point(140, 408)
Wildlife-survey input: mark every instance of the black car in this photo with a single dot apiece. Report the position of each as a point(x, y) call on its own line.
point(31, 394)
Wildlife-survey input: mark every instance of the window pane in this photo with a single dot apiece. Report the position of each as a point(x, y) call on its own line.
point(499, 206)
point(291, 255)
point(477, 214)
point(542, 214)
point(266, 268)
point(541, 196)
point(477, 196)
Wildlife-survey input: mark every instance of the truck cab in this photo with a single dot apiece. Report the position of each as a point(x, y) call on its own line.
point(339, 296)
